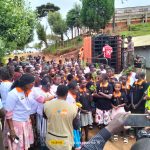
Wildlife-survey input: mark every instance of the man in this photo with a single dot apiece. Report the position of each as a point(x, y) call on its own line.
point(129, 54)
point(62, 117)
point(107, 52)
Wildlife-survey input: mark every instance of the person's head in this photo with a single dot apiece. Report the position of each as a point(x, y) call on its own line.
point(37, 66)
point(83, 83)
point(104, 77)
point(30, 70)
point(124, 79)
point(110, 72)
point(46, 83)
point(62, 92)
point(52, 72)
point(117, 86)
point(72, 87)
point(88, 76)
point(140, 76)
point(70, 77)
point(129, 38)
point(102, 67)
point(143, 144)
point(26, 82)
point(5, 74)
point(92, 68)
point(19, 69)
point(79, 73)
point(73, 71)
point(57, 80)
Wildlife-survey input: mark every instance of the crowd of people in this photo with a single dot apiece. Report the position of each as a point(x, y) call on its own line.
point(52, 105)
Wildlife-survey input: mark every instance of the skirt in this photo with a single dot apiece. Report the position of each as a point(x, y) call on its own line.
point(117, 111)
point(86, 119)
point(103, 116)
point(25, 133)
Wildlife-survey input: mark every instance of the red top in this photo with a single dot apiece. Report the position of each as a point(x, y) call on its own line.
point(107, 50)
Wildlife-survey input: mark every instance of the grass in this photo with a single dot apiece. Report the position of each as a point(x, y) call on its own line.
point(67, 46)
point(137, 30)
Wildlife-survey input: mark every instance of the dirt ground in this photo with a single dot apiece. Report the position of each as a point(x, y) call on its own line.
point(119, 145)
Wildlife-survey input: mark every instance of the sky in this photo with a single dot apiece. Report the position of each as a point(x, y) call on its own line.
point(66, 5)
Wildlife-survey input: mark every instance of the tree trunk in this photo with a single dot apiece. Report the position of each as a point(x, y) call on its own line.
point(78, 31)
point(72, 32)
point(62, 38)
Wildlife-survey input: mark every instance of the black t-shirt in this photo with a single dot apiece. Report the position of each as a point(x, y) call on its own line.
point(104, 103)
point(119, 100)
point(89, 84)
point(138, 92)
point(84, 99)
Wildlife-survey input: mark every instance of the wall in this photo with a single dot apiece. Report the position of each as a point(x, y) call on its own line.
point(145, 52)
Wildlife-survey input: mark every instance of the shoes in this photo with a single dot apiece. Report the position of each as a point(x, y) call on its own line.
point(90, 127)
point(125, 140)
point(115, 137)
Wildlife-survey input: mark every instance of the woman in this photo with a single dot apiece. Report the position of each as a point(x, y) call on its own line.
point(18, 107)
point(42, 95)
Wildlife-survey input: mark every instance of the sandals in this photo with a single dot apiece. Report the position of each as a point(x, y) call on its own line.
point(125, 140)
point(115, 137)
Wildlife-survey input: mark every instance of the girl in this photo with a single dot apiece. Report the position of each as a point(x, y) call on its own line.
point(103, 101)
point(119, 100)
point(18, 107)
point(125, 89)
point(84, 98)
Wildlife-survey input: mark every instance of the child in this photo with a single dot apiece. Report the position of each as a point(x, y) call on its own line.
point(111, 78)
point(119, 100)
point(103, 101)
point(126, 91)
point(84, 98)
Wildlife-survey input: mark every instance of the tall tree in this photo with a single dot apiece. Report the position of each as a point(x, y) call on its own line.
point(17, 23)
point(96, 14)
point(41, 32)
point(43, 10)
point(73, 18)
point(57, 24)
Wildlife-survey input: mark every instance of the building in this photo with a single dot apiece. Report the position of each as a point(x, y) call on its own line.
point(130, 15)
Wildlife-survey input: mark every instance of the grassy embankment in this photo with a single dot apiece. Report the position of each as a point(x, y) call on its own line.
point(137, 30)
point(67, 46)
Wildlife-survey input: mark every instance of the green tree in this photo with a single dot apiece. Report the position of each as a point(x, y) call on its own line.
point(73, 18)
point(57, 24)
point(41, 32)
point(43, 10)
point(17, 23)
point(96, 14)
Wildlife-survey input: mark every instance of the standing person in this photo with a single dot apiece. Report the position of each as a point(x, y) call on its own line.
point(85, 98)
point(126, 88)
point(42, 95)
point(103, 101)
point(129, 60)
point(18, 107)
point(138, 93)
point(107, 52)
point(5, 84)
point(60, 115)
point(119, 100)
point(56, 83)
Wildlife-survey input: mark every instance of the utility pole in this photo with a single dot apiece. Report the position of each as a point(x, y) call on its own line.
point(114, 17)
